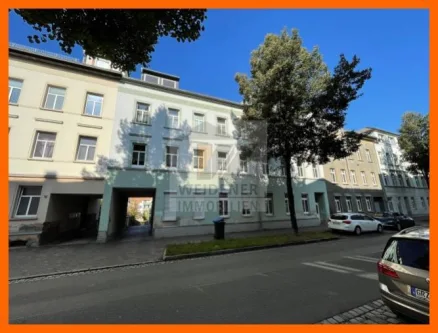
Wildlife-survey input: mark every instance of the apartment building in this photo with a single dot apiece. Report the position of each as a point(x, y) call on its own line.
point(404, 192)
point(61, 115)
point(353, 183)
point(179, 148)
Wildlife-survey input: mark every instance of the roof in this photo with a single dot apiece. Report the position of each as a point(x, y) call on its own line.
point(160, 74)
point(369, 130)
point(41, 56)
point(417, 232)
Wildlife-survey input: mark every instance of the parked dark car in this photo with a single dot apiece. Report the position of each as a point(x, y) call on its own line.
point(394, 220)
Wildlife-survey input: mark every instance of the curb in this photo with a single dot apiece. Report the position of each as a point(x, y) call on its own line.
point(244, 249)
point(84, 270)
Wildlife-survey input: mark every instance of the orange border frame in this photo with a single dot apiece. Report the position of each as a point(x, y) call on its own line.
point(298, 4)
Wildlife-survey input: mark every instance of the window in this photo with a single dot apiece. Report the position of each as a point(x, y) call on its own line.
point(223, 204)
point(173, 118)
point(28, 201)
point(198, 209)
point(380, 137)
point(43, 145)
point(353, 176)
point(385, 179)
point(315, 171)
point(265, 168)
point(338, 204)
point(286, 203)
point(373, 178)
point(400, 180)
point(395, 159)
point(221, 126)
point(388, 158)
point(416, 181)
point(368, 203)
point(198, 122)
point(423, 203)
point(359, 204)
point(86, 148)
point(381, 157)
point(171, 157)
point(142, 114)
point(54, 98)
point(300, 171)
point(349, 204)
point(14, 90)
point(243, 165)
point(198, 159)
point(344, 176)
point(408, 252)
point(413, 203)
point(359, 155)
point(221, 160)
point(368, 154)
point(246, 210)
point(169, 213)
point(138, 154)
point(305, 203)
point(333, 175)
point(269, 205)
point(93, 106)
point(390, 204)
point(364, 177)
point(408, 182)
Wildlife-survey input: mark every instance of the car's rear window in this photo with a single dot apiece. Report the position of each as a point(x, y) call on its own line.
point(408, 252)
point(339, 217)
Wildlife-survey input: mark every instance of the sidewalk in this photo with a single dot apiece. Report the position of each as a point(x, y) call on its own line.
point(25, 262)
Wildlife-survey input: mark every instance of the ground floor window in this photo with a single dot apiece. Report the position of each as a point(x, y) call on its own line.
point(423, 203)
point(223, 204)
point(269, 207)
point(169, 213)
point(349, 204)
point(28, 201)
point(338, 204)
point(246, 208)
point(305, 203)
point(359, 204)
point(368, 203)
point(390, 205)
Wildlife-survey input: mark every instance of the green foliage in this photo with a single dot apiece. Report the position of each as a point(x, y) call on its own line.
point(238, 243)
point(414, 142)
point(126, 37)
point(294, 108)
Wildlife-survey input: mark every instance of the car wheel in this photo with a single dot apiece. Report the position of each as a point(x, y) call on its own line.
point(399, 228)
point(379, 229)
point(357, 231)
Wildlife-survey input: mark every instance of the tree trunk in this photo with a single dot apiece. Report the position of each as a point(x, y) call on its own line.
point(290, 196)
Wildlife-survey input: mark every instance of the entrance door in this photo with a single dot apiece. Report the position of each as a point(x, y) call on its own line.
point(317, 211)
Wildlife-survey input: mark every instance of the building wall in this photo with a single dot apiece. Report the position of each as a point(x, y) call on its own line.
point(391, 162)
point(62, 173)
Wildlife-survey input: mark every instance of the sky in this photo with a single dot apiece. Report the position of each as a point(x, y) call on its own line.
point(394, 43)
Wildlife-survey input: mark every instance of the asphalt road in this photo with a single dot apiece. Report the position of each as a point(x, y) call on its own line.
point(300, 284)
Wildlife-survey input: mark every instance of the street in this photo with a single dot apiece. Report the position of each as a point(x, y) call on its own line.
point(298, 284)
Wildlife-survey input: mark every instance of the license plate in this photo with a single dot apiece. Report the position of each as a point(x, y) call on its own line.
point(335, 222)
point(419, 293)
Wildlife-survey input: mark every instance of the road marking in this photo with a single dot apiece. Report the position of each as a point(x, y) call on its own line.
point(339, 266)
point(325, 267)
point(370, 276)
point(366, 259)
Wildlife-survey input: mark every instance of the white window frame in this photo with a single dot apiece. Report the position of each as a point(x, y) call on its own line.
point(359, 155)
point(11, 89)
point(198, 158)
point(171, 155)
point(344, 176)
point(46, 142)
point(221, 127)
point(353, 177)
point(31, 198)
point(225, 203)
point(333, 174)
point(269, 209)
point(94, 105)
point(244, 168)
point(222, 161)
point(364, 178)
point(305, 203)
point(246, 211)
point(349, 204)
point(368, 204)
point(300, 171)
point(315, 171)
point(196, 117)
point(138, 152)
point(368, 155)
point(338, 204)
point(286, 202)
point(413, 203)
point(145, 114)
point(390, 204)
point(373, 178)
point(172, 119)
point(88, 147)
point(57, 96)
point(359, 204)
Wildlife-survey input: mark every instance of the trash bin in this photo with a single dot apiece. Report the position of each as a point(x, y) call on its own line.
point(219, 228)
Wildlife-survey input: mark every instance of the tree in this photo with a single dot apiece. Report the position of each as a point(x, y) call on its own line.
point(414, 142)
point(300, 106)
point(125, 37)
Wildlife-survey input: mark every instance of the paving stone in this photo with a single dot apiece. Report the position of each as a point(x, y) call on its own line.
point(390, 314)
point(332, 321)
point(338, 319)
point(394, 320)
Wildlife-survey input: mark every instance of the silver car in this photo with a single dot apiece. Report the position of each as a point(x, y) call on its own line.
point(404, 274)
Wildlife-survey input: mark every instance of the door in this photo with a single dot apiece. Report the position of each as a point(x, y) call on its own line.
point(317, 211)
point(369, 223)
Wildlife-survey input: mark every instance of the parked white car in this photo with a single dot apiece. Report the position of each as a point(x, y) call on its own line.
point(354, 222)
